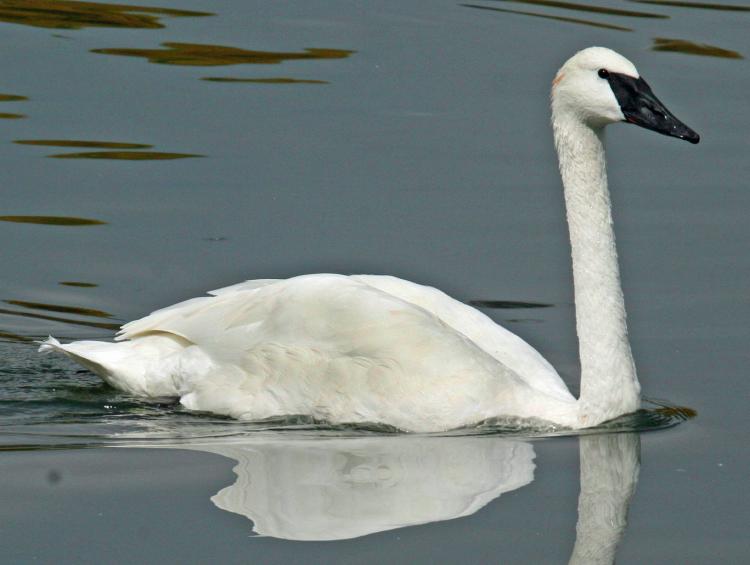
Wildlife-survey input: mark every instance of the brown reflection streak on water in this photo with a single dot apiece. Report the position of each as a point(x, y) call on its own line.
point(695, 5)
point(120, 155)
point(125, 155)
point(101, 325)
point(279, 80)
point(82, 143)
point(690, 48)
point(14, 337)
point(12, 98)
point(193, 54)
point(45, 447)
point(682, 412)
point(59, 308)
point(587, 8)
point(548, 17)
point(78, 284)
point(52, 220)
point(6, 116)
point(67, 14)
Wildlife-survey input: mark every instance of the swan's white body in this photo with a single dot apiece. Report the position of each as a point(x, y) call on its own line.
point(381, 349)
point(342, 349)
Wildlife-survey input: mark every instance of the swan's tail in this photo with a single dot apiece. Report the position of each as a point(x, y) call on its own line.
point(75, 352)
point(141, 368)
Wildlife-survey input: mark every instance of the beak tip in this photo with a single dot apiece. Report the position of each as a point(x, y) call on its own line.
point(692, 137)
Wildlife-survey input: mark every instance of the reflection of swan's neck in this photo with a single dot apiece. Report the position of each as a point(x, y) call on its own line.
point(609, 386)
point(609, 474)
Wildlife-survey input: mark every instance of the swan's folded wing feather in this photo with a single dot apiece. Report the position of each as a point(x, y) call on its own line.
point(208, 312)
point(497, 341)
point(358, 315)
point(246, 285)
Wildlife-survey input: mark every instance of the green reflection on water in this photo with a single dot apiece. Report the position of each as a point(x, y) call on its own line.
point(279, 80)
point(193, 54)
point(14, 337)
point(690, 48)
point(78, 284)
point(697, 5)
point(68, 14)
point(82, 143)
point(100, 325)
point(46, 447)
point(6, 116)
point(679, 412)
point(125, 155)
point(52, 220)
point(587, 8)
point(59, 308)
point(548, 17)
point(11, 98)
point(121, 155)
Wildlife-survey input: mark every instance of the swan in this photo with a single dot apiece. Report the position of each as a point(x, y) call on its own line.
point(366, 348)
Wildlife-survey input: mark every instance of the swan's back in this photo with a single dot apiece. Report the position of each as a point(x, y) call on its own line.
point(299, 310)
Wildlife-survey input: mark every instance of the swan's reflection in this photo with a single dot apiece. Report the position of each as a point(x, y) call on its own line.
point(330, 489)
point(609, 474)
point(344, 488)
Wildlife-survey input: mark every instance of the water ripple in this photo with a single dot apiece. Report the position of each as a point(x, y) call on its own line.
point(69, 14)
point(550, 17)
point(52, 220)
point(691, 48)
point(202, 55)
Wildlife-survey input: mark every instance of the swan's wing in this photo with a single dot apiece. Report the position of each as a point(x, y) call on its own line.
point(247, 285)
point(234, 317)
point(502, 344)
point(171, 318)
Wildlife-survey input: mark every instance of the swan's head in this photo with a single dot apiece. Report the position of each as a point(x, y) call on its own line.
point(598, 87)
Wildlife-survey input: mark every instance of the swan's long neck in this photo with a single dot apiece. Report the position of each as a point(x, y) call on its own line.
point(609, 386)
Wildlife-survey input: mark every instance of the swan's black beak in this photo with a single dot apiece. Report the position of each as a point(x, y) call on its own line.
point(641, 107)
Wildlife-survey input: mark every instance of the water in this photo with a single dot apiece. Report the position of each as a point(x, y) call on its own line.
point(152, 154)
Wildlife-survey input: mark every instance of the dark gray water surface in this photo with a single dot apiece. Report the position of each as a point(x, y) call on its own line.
point(149, 155)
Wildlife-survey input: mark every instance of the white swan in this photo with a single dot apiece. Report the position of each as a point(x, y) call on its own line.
point(381, 349)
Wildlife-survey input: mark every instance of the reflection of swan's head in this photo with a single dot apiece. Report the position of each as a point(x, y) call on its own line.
point(597, 86)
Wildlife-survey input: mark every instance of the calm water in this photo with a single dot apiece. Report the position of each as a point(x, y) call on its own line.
point(151, 154)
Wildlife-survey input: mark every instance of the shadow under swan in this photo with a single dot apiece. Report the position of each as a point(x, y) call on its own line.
point(340, 488)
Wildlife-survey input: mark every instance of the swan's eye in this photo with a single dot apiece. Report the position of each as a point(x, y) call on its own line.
point(604, 73)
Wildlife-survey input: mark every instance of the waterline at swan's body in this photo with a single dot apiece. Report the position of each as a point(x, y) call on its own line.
point(379, 349)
